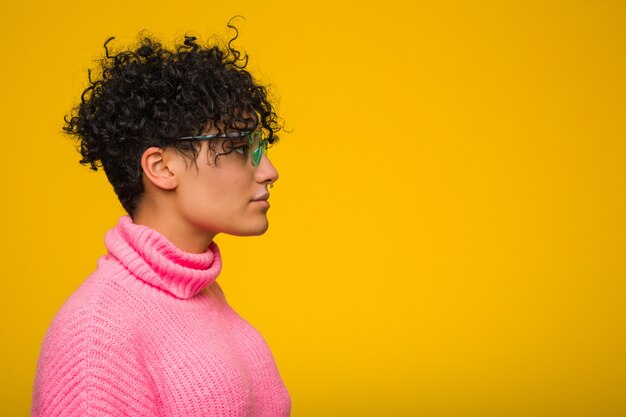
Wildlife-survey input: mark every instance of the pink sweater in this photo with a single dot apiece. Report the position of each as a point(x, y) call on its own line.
point(150, 333)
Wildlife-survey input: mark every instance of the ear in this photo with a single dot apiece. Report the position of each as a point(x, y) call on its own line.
point(159, 167)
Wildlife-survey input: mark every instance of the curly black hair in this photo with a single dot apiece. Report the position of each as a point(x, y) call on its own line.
point(153, 96)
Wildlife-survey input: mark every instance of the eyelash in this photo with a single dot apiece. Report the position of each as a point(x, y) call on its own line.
point(244, 149)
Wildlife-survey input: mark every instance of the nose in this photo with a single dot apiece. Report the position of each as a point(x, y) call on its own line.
point(266, 171)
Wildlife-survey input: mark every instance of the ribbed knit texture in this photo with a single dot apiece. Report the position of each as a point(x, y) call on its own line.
point(150, 333)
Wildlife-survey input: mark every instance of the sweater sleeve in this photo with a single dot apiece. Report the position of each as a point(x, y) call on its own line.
point(90, 365)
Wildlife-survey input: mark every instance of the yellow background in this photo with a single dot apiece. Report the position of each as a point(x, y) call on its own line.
point(447, 235)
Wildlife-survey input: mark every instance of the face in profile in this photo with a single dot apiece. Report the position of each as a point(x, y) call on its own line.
point(230, 196)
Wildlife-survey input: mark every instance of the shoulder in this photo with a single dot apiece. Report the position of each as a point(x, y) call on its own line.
point(100, 309)
point(92, 345)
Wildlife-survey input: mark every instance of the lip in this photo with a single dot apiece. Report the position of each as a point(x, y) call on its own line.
point(262, 197)
point(263, 202)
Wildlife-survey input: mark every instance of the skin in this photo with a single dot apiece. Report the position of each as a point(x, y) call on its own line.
point(190, 206)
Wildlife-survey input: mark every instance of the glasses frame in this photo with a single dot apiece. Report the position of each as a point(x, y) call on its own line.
point(255, 153)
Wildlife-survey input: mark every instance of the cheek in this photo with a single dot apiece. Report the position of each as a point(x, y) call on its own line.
point(218, 191)
point(233, 180)
point(196, 191)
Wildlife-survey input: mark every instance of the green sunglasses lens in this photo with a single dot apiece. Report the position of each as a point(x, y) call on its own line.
point(260, 149)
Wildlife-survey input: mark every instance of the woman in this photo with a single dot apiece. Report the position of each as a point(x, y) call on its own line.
point(182, 136)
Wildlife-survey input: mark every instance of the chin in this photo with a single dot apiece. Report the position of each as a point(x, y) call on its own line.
point(261, 230)
point(253, 231)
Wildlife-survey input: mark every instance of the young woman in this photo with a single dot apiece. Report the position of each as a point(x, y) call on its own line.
point(182, 135)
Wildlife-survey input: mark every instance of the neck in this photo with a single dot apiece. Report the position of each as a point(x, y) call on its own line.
point(151, 257)
point(183, 235)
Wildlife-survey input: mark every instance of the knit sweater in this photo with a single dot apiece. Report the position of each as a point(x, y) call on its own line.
point(150, 333)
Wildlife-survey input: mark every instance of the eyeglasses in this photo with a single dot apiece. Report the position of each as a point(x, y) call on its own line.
point(258, 145)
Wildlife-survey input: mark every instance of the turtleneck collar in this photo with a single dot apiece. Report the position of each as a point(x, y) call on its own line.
point(152, 258)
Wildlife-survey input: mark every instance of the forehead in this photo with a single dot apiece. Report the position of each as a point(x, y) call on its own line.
point(246, 121)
